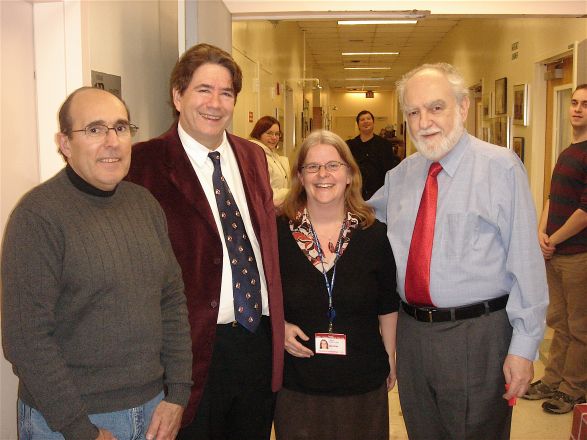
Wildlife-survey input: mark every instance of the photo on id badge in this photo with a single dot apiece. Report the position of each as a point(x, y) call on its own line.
point(330, 343)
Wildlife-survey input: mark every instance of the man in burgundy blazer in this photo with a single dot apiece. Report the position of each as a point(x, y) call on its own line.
point(234, 370)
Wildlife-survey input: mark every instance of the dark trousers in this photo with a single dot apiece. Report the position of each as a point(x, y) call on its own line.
point(237, 402)
point(450, 377)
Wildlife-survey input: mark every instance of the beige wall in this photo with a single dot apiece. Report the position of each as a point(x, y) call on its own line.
point(19, 169)
point(345, 107)
point(140, 45)
point(137, 41)
point(481, 50)
point(272, 58)
point(214, 24)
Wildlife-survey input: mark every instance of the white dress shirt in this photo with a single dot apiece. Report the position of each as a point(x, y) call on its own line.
point(204, 168)
point(485, 243)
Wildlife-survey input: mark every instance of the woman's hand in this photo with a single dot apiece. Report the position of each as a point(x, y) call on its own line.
point(388, 326)
point(392, 376)
point(292, 345)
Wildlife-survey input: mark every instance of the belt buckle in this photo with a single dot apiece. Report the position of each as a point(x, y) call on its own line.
point(430, 312)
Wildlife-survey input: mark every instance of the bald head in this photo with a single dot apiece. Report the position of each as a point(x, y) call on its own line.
point(65, 111)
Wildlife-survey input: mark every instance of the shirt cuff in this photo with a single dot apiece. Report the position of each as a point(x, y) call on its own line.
point(524, 346)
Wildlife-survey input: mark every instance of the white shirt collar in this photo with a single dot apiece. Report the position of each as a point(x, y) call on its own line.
point(195, 150)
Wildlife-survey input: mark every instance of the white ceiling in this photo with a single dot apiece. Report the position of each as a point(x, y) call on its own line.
point(249, 9)
point(326, 41)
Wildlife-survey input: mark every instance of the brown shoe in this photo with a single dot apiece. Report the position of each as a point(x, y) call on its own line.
point(539, 390)
point(561, 403)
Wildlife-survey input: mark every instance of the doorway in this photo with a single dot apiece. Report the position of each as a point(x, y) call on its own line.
point(559, 78)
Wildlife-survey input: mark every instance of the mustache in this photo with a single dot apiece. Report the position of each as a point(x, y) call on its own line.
point(428, 132)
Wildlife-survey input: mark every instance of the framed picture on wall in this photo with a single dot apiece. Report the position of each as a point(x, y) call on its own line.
point(486, 106)
point(520, 112)
point(501, 95)
point(486, 134)
point(518, 146)
point(500, 131)
point(479, 120)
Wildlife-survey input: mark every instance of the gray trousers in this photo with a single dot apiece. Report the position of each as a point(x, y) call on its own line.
point(450, 377)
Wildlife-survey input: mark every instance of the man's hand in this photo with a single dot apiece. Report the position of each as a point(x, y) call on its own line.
point(518, 372)
point(165, 422)
point(545, 246)
point(105, 435)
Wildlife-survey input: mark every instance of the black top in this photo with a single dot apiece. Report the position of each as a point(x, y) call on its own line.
point(375, 158)
point(365, 287)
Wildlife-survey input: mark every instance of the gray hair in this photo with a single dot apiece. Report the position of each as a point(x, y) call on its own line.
point(454, 77)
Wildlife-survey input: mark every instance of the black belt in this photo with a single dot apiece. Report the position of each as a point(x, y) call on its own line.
point(265, 321)
point(433, 314)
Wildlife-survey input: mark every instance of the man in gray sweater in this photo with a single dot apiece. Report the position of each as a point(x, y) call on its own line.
point(94, 319)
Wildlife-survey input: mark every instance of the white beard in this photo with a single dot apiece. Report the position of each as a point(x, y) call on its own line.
point(436, 150)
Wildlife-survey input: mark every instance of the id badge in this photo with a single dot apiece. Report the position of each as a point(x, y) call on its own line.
point(330, 343)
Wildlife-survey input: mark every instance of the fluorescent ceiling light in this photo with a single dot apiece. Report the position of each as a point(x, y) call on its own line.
point(364, 79)
point(362, 87)
point(370, 53)
point(355, 22)
point(323, 15)
point(367, 68)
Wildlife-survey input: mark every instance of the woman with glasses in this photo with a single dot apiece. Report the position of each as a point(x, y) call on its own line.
point(267, 134)
point(339, 286)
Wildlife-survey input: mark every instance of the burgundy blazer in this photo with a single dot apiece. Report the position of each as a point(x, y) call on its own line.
point(162, 166)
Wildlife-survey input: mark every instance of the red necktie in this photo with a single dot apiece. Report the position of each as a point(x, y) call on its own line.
point(417, 285)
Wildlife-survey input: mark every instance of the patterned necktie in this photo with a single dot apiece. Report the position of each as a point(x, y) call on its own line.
point(417, 285)
point(246, 286)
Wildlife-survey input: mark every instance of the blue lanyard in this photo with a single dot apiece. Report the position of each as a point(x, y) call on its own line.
point(329, 284)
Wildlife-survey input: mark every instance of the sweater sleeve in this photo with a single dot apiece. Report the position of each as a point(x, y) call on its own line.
point(31, 267)
point(176, 355)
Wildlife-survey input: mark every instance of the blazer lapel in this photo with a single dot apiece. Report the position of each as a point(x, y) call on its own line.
point(183, 177)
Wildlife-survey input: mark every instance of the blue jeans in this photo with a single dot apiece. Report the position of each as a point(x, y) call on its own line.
point(128, 424)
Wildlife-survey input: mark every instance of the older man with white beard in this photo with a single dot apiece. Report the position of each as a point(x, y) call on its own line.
point(462, 224)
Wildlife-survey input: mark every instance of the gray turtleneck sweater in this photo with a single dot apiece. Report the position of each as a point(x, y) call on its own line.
point(93, 310)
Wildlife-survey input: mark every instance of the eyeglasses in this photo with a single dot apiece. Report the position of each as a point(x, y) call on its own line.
point(273, 133)
point(122, 130)
point(331, 167)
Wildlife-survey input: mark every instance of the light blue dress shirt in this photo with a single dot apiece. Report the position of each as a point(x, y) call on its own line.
point(485, 242)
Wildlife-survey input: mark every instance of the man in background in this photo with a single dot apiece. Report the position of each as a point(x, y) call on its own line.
point(562, 235)
point(461, 223)
point(373, 154)
point(214, 189)
point(94, 319)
